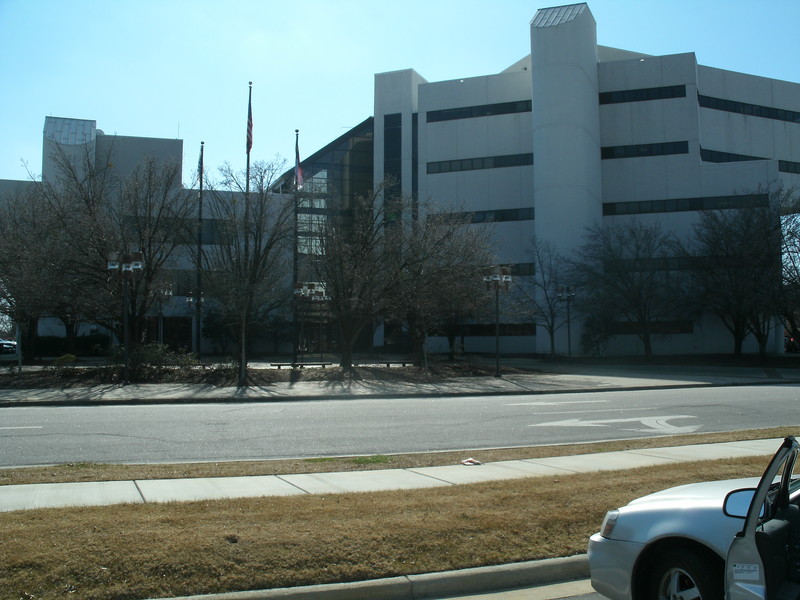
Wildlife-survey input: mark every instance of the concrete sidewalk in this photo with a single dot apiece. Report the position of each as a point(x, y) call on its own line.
point(547, 378)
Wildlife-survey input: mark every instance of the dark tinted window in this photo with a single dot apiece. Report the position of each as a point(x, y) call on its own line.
point(743, 108)
point(486, 162)
point(644, 94)
point(641, 150)
point(484, 110)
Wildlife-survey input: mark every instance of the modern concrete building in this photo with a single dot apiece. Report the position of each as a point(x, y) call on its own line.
point(79, 143)
point(576, 135)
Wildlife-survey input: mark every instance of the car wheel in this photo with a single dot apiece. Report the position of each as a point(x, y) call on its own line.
point(684, 574)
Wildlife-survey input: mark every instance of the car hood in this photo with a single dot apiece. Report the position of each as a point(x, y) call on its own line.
point(696, 493)
point(692, 511)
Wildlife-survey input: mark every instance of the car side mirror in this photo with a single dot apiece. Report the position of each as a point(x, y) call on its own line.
point(737, 503)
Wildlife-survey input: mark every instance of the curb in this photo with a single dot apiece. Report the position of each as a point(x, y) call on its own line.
point(427, 585)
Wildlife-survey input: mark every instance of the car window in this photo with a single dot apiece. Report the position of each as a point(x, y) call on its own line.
point(784, 486)
point(794, 485)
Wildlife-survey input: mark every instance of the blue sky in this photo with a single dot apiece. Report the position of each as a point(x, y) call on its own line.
point(180, 68)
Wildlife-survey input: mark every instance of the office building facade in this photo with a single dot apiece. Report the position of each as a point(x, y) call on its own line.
point(577, 135)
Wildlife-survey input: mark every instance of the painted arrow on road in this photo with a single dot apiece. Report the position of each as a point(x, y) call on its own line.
point(557, 403)
point(653, 424)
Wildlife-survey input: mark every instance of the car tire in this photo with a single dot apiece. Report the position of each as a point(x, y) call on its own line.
point(685, 574)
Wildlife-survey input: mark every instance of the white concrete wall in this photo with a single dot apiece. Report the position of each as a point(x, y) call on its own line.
point(566, 129)
point(476, 138)
point(396, 92)
point(125, 153)
point(629, 123)
point(745, 134)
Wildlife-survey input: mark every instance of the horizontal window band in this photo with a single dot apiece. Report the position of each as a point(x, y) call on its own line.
point(475, 164)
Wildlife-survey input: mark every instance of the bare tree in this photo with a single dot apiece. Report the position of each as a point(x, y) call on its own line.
point(98, 212)
point(246, 270)
point(737, 258)
point(538, 295)
point(628, 273)
point(392, 257)
point(31, 277)
point(153, 215)
point(789, 202)
point(440, 279)
point(358, 266)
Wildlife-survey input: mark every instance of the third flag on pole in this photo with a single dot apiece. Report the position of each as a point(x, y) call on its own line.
point(298, 172)
point(250, 119)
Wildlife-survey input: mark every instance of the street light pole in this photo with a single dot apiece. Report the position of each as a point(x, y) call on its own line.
point(125, 268)
point(198, 309)
point(567, 294)
point(499, 277)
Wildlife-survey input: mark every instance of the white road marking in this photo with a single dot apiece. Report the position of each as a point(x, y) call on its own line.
point(25, 427)
point(552, 403)
point(652, 424)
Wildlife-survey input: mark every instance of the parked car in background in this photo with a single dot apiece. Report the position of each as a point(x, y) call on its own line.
point(737, 539)
point(8, 347)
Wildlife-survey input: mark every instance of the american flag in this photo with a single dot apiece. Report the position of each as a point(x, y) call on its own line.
point(250, 119)
point(298, 172)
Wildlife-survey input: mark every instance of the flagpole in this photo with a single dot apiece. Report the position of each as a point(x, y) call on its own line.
point(246, 228)
point(198, 304)
point(295, 274)
point(249, 145)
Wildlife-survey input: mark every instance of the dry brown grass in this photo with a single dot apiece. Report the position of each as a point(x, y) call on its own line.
point(141, 551)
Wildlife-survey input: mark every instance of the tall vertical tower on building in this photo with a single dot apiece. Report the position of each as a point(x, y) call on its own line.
point(67, 139)
point(567, 182)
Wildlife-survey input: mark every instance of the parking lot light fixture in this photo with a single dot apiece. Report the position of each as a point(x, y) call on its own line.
point(567, 294)
point(124, 265)
point(499, 278)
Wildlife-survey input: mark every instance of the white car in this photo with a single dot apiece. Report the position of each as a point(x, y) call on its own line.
point(737, 539)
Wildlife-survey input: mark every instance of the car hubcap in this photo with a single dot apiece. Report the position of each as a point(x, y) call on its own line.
point(677, 584)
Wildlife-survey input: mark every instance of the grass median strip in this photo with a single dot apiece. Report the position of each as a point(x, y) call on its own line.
point(141, 551)
point(73, 472)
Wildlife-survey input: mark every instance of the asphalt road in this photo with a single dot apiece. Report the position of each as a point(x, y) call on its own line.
point(232, 431)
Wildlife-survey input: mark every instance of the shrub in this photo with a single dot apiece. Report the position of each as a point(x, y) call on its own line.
point(65, 360)
point(149, 361)
point(64, 365)
point(160, 355)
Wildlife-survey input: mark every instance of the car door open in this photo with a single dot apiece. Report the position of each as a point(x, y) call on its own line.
point(764, 559)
